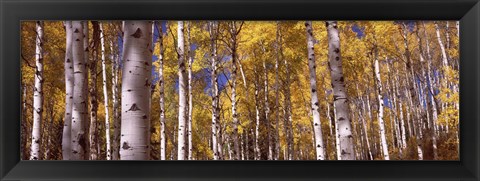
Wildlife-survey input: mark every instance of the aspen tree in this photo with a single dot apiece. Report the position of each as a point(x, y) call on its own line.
point(315, 106)
point(136, 81)
point(79, 109)
point(69, 82)
point(340, 96)
point(161, 83)
point(105, 94)
point(37, 93)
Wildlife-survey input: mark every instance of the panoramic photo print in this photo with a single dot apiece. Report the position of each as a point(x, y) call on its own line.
point(240, 90)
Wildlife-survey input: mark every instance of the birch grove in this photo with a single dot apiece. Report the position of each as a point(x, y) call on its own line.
point(240, 90)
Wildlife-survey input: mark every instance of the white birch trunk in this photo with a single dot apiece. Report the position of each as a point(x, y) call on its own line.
point(339, 93)
point(215, 117)
point(35, 152)
point(287, 110)
point(257, 123)
point(161, 82)
point(431, 90)
point(105, 94)
point(182, 88)
point(233, 48)
point(277, 87)
point(378, 80)
point(79, 110)
point(69, 82)
point(317, 125)
point(136, 80)
point(267, 108)
point(190, 94)
point(442, 46)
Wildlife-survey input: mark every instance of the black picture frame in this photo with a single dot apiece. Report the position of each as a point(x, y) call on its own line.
point(13, 11)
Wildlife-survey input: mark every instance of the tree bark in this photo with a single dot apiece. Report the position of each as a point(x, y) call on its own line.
point(105, 95)
point(340, 97)
point(136, 80)
point(277, 88)
point(190, 93)
point(37, 94)
point(87, 62)
point(288, 110)
point(213, 28)
point(69, 83)
point(79, 110)
point(116, 117)
point(161, 83)
point(233, 48)
point(381, 123)
point(315, 106)
point(93, 129)
point(182, 91)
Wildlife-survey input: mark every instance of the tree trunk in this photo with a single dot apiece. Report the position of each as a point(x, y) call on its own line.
point(182, 93)
point(116, 117)
point(79, 110)
point(233, 48)
point(161, 83)
point(93, 130)
point(87, 61)
point(213, 28)
point(381, 123)
point(136, 80)
point(257, 121)
point(339, 93)
point(105, 94)
point(317, 125)
point(190, 94)
point(69, 83)
point(277, 87)
point(37, 94)
point(442, 46)
point(267, 107)
point(288, 111)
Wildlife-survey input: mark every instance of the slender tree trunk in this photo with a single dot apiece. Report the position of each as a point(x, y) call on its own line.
point(182, 88)
point(93, 130)
point(37, 94)
point(214, 84)
point(116, 102)
point(317, 125)
point(277, 93)
point(69, 83)
point(287, 109)
point(339, 93)
point(233, 48)
point(430, 87)
point(442, 46)
point(136, 80)
point(105, 95)
point(190, 94)
point(24, 125)
point(257, 122)
point(364, 127)
point(79, 110)
point(161, 83)
point(267, 108)
point(87, 61)
point(378, 81)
